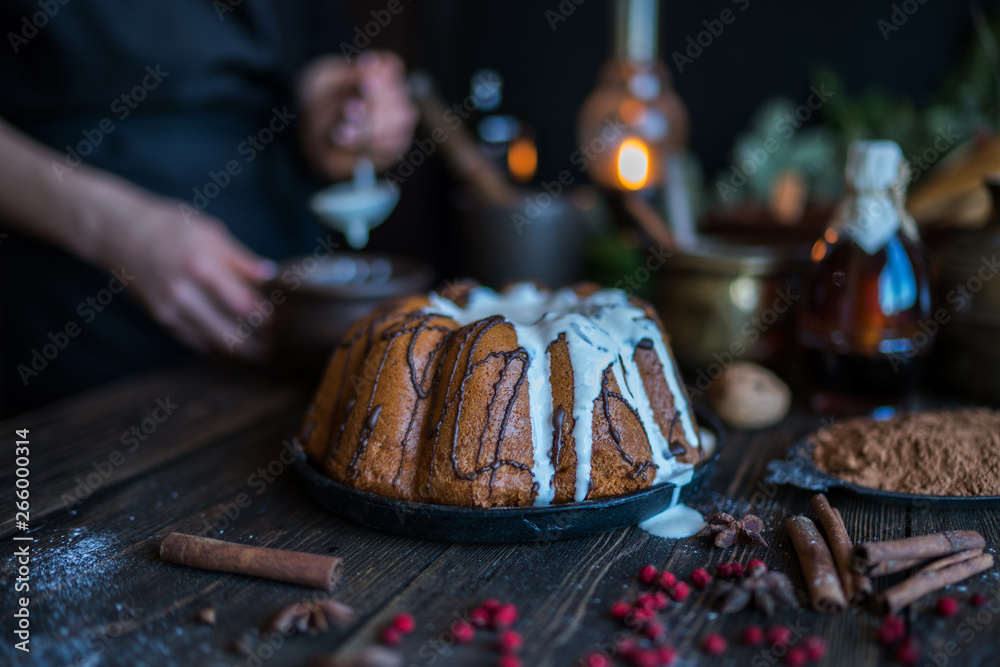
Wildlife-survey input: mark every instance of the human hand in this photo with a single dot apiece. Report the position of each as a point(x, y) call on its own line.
point(348, 109)
point(190, 273)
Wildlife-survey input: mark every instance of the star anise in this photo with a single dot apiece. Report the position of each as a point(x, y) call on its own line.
point(764, 588)
point(727, 531)
point(311, 617)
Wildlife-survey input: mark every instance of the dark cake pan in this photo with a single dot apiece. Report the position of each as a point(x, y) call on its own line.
point(798, 469)
point(502, 524)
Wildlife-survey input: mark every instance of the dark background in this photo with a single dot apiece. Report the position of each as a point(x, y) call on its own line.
point(772, 48)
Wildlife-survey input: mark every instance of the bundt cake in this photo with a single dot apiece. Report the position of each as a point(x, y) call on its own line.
point(524, 397)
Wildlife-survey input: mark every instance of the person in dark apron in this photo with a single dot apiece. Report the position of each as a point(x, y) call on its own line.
point(156, 157)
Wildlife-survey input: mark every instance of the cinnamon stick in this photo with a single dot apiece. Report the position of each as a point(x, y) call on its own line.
point(856, 587)
point(942, 563)
point(292, 566)
point(930, 579)
point(862, 584)
point(891, 566)
point(824, 585)
point(878, 558)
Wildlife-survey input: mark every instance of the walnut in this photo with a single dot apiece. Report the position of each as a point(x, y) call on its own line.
point(748, 396)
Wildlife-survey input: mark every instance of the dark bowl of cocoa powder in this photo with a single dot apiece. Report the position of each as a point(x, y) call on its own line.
point(942, 454)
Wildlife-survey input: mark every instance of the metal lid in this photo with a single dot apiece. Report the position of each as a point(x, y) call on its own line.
point(721, 255)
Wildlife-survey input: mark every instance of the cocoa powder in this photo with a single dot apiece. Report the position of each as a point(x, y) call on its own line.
point(945, 453)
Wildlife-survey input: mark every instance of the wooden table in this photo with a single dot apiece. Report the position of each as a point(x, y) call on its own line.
point(102, 497)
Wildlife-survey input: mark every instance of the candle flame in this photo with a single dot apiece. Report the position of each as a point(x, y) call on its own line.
point(633, 164)
point(522, 159)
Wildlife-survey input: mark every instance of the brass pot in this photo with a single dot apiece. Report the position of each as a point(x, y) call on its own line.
point(731, 300)
point(966, 285)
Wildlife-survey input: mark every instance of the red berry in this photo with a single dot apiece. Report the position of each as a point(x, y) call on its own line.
point(480, 617)
point(947, 606)
point(778, 635)
point(654, 631)
point(620, 609)
point(679, 591)
point(666, 580)
point(626, 648)
point(892, 630)
point(978, 600)
point(391, 637)
point(645, 658)
point(714, 644)
point(645, 601)
point(700, 578)
point(660, 600)
point(666, 655)
point(509, 641)
point(724, 570)
point(735, 570)
point(756, 565)
point(814, 647)
point(753, 635)
point(404, 623)
point(640, 617)
point(509, 661)
point(647, 573)
point(491, 604)
point(505, 616)
point(796, 657)
point(463, 632)
point(596, 660)
point(908, 653)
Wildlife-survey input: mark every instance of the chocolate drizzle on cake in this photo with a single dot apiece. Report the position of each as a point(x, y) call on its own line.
point(478, 399)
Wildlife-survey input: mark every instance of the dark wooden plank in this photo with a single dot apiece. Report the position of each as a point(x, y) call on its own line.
point(92, 567)
point(87, 447)
point(101, 595)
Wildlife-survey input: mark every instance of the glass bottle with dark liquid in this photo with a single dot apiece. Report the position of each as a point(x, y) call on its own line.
point(865, 319)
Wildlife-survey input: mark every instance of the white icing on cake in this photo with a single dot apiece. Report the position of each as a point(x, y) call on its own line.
point(601, 329)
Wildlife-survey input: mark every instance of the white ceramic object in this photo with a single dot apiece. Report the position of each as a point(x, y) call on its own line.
point(355, 208)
